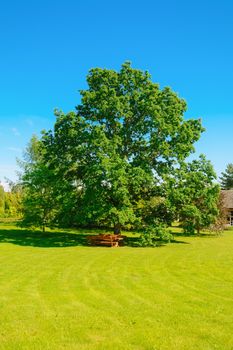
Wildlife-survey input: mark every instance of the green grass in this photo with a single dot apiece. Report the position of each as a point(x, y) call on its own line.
point(56, 293)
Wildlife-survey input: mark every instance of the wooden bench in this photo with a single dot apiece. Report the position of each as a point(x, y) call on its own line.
point(108, 240)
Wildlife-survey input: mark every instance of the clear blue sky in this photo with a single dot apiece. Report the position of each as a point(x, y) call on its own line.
point(47, 48)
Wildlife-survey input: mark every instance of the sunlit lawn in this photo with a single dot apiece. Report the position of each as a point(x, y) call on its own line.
point(56, 293)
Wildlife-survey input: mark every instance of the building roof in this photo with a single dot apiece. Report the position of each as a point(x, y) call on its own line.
point(227, 197)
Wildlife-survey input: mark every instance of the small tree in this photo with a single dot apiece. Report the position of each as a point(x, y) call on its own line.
point(221, 220)
point(38, 199)
point(195, 194)
point(226, 180)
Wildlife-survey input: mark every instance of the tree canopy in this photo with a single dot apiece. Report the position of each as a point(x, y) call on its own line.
point(108, 162)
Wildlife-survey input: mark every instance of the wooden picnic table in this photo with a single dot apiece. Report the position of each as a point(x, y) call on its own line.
point(108, 240)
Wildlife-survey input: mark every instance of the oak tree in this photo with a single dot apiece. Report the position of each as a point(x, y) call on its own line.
point(114, 151)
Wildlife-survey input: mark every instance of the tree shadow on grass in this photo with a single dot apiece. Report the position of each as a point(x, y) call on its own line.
point(60, 239)
point(134, 242)
point(176, 241)
point(200, 235)
point(183, 234)
point(53, 239)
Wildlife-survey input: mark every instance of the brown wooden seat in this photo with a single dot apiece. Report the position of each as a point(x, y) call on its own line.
point(105, 240)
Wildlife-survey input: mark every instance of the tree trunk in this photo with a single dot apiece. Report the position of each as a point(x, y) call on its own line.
point(117, 229)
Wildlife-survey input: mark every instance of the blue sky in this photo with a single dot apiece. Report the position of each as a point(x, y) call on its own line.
point(47, 48)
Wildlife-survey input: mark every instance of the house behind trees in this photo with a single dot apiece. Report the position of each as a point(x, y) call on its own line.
point(227, 199)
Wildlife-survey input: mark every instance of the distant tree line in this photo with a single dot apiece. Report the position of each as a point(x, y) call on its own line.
point(120, 160)
point(10, 202)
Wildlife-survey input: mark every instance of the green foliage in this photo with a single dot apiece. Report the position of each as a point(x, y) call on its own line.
point(154, 235)
point(38, 195)
point(13, 203)
point(221, 221)
point(195, 194)
point(2, 201)
point(191, 218)
point(119, 161)
point(155, 208)
point(10, 201)
point(226, 180)
point(114, 152)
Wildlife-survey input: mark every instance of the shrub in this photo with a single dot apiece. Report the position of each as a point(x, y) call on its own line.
point(154, 235)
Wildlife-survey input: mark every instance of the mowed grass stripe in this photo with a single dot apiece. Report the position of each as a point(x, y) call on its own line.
point(175, 297)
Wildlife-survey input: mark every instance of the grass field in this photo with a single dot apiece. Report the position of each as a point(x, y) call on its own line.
point(58, 294)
